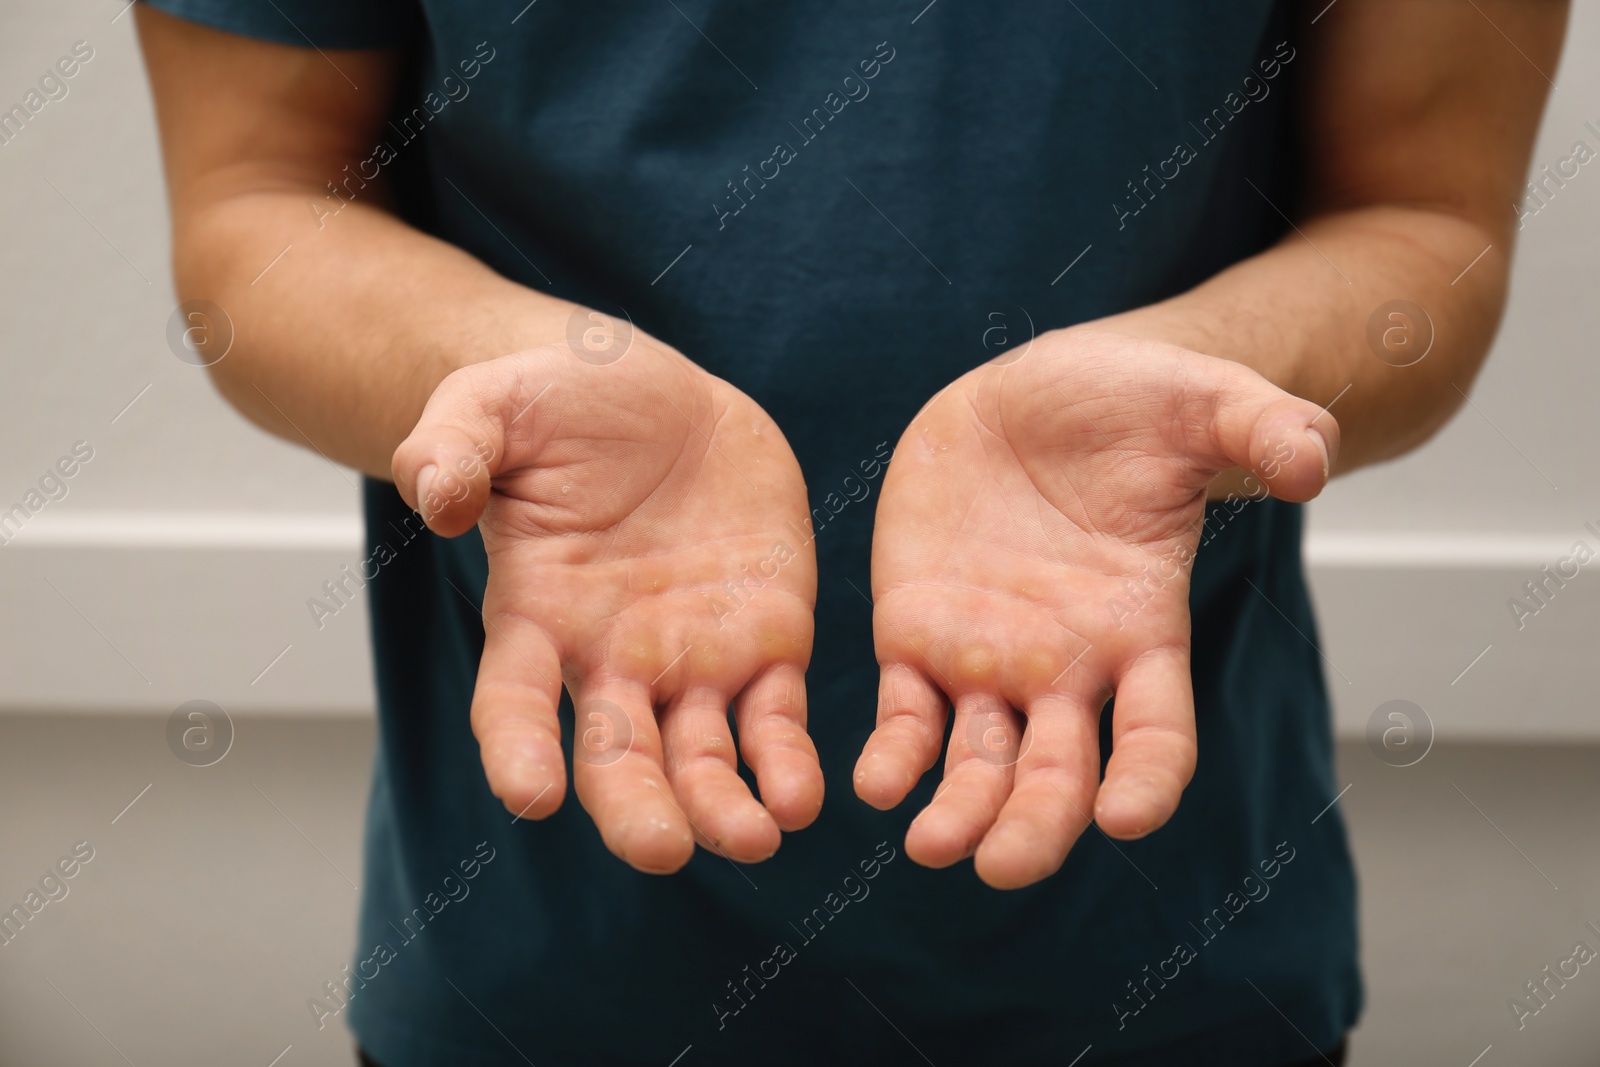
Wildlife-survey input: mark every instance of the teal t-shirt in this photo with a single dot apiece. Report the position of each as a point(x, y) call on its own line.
point(840, 206)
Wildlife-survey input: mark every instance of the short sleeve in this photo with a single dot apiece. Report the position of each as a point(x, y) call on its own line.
point(305, 23)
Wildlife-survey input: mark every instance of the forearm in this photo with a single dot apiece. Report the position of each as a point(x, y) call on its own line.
point(1299, 312)
point(1415, 129)
point(339, 343)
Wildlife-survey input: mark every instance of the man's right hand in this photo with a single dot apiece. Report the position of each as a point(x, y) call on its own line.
point(644, 523)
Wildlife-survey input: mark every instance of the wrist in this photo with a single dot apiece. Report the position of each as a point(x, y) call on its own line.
point(498, 324)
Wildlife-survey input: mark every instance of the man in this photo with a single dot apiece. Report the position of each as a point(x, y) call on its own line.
point(618, 286)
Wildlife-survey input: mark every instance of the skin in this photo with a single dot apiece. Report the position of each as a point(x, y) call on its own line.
point(387, 350)
point(1020, 501)
point(1022, 505)
point(1023, 494)
point(615, 503)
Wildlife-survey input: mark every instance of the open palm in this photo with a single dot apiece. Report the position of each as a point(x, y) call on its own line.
point(1031, 557)
point(639, 517)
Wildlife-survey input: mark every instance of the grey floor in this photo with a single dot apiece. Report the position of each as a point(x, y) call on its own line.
point(223, 897)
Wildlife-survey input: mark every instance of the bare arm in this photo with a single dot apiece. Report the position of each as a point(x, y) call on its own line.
point(1037, 528)
point(607, 513)
point(1418, 124)
point(341, 342)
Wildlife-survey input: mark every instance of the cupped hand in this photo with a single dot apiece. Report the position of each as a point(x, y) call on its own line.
point(641, 522)
point(1031, 558)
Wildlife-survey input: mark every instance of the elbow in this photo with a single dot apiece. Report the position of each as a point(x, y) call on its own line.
point(215, 302)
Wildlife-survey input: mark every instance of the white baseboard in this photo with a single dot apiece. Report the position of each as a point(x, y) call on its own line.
point(1425, 618)
point(140, 613)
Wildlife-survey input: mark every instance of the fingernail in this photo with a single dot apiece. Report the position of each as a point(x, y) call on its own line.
point(1322, 446)
point(425, 482)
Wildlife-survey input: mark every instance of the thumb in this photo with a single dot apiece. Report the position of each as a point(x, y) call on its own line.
point(1288, 442)
point(443, 468)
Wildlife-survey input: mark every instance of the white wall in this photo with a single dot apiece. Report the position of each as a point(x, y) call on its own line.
point(191, 540)
point(1413, 562)
point(179, 563)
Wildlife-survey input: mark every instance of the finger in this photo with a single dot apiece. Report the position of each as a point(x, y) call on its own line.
point(514, 716)
point(617, 768)
point(697, 747)
point(906, 740)
point(443, 467)
point(1290, 443)
point(974, 788)
point(1051, 796)
point(771, 713)
point(1153, 745)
